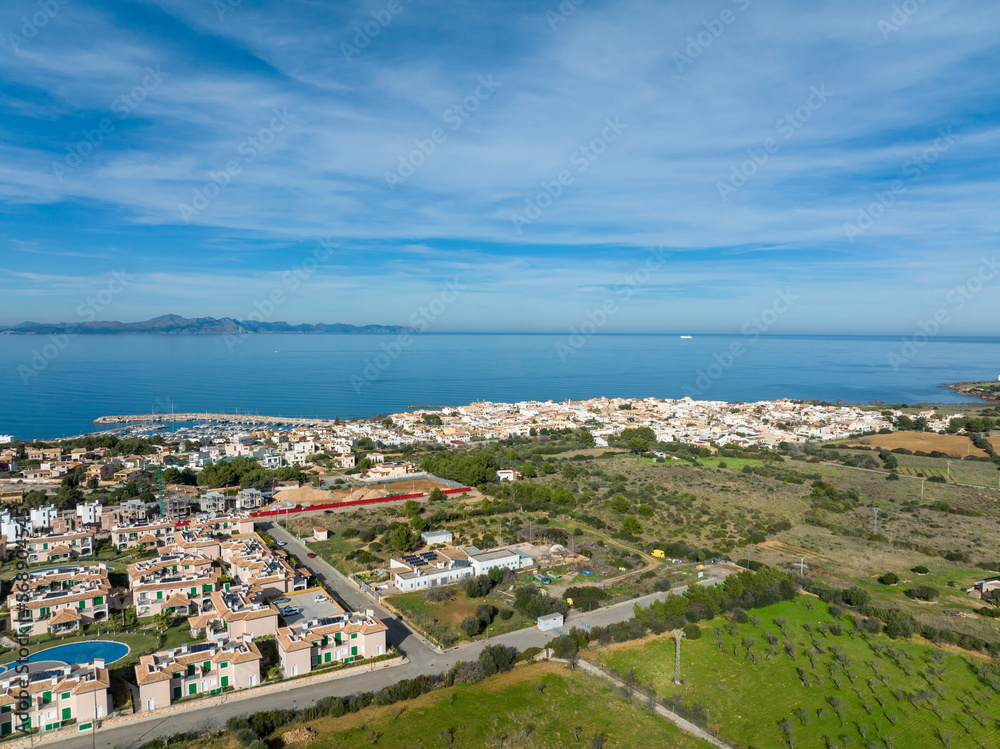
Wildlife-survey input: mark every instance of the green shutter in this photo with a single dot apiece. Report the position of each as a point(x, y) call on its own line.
point(207, 665)
point(354, 650)
point(65, 695)
point(99, 601)
point(224, 681)
point(326, 658)
point(67, 713)
point(224, 664)
point(159, 595)
point(177, 693)
point(194, 591)
point(83, 605)
point(190, 669)
point(46, 697)
point(206, 588)
point(192, 688)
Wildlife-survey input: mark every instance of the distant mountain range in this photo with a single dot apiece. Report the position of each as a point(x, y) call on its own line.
point(176, 325)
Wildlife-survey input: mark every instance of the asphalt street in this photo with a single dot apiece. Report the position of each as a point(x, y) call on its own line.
point(422, 659)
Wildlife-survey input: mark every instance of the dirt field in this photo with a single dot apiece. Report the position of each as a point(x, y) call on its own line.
point(795, 551)
point(951, 444)
point(309, 496)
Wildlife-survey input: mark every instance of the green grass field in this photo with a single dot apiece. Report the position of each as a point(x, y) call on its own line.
point(442, 620)
point(915, 703)
point(507, 710)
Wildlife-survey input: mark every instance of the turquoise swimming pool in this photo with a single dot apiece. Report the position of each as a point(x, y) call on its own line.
point(79, 652)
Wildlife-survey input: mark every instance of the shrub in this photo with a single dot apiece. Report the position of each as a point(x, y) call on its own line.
point(471, 626)
point(485, 613)
point(506, 614)
point(855, 596)
point(528, 654)
point(889, 578)
point(692, 631)
point(920, 569)
point(923, 592)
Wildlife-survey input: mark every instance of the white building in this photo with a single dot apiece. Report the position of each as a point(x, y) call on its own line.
point(13, 527)
point(6, 439)
point(42, 517)
point(487, 560)
point(89, 513)
point(548, 622)
point(436, 537)
point(429, 569)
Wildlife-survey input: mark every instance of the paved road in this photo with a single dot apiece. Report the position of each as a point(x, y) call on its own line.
point(422, 659)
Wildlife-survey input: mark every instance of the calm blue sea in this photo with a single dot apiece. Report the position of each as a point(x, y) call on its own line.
point(50, 391)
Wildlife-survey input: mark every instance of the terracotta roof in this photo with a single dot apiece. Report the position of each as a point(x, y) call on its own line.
point(65, 615)
point(176, 600)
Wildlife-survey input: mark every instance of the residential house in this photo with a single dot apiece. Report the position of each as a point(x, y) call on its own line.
point(59, 547)
point(429, 569)
point(195, 669)
point(304, 647)
point(60, 600)
point(76, 693)
point(149, 535)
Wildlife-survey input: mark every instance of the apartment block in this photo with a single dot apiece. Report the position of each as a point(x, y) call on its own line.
point(195, 669)
point(79, 693)
point(338, 639)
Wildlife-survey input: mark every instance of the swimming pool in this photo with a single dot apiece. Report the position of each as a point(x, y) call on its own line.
point(79, 652)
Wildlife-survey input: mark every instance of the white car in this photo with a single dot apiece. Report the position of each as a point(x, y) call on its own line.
point(289, 611)
point(280, 600)
point(282, 543)
point(320, 599)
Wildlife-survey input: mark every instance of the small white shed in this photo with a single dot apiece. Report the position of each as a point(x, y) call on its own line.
point(550, 621)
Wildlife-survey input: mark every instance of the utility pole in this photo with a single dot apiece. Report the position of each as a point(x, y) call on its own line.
point(876, 520)
point(802, 566)
point(678, 634)
point(949, 470)
point(922, 489)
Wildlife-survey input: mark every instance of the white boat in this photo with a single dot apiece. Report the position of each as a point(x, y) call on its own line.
point(685, 336)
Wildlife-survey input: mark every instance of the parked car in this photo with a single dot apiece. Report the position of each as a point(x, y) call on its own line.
point(319, 599)
point(282, 543)
point(311, 555)
point(289, 611)
point(280, 600)
point(327, 512)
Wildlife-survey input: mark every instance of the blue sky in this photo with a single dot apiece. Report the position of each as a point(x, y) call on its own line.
point(640, 115)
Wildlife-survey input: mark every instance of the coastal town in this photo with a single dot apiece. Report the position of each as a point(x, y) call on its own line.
point(209, 563)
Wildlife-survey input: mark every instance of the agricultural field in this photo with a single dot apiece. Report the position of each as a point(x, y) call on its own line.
point(794, 675)
point(543, 704)
point(949, 444)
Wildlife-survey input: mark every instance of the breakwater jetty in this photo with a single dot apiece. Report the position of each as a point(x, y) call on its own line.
point(219, 418)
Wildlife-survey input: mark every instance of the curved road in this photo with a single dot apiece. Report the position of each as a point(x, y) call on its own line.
point(421, 659)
